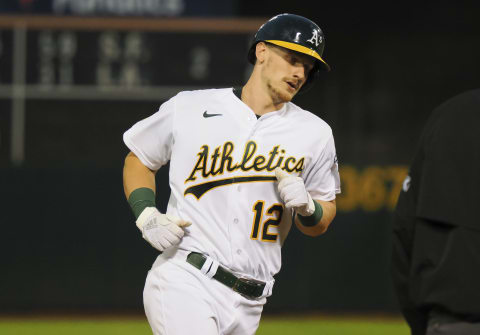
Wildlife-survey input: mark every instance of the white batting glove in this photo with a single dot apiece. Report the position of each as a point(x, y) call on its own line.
point(161, 230)
point(293, 193)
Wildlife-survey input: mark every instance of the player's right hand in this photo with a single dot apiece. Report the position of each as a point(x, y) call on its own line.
point(161, 230)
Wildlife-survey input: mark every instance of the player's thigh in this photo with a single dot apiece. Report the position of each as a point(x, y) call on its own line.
point(175, 304)
point(248, 314)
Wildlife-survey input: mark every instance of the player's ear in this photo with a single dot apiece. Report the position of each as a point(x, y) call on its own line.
point(260, 51)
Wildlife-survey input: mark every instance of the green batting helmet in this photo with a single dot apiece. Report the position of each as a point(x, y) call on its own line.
point(296, 33)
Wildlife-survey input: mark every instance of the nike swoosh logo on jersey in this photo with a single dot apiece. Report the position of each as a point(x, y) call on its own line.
point(198, 190)
point(205, 114)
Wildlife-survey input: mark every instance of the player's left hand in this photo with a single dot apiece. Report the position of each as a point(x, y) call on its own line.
point(293, 193)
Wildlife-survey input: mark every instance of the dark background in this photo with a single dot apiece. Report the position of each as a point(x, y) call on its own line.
point(69, 242)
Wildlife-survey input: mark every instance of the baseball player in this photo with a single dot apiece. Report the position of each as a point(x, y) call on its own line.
point(244, 162)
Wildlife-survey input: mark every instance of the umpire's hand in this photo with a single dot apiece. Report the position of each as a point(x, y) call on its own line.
point(161, 230)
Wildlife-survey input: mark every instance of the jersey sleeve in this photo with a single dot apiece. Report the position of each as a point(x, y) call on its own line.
point(322, 179)
point(151, 139)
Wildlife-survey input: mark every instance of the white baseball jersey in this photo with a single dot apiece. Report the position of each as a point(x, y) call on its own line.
point(222, 161)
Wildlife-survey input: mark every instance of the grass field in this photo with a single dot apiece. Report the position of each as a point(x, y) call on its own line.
point(139, 326)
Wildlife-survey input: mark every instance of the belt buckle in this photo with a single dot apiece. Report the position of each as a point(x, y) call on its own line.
point(249, 282)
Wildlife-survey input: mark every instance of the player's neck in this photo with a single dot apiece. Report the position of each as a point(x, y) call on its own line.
point(258, 99)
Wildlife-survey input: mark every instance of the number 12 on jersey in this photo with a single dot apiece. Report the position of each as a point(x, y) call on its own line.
point(273, 214)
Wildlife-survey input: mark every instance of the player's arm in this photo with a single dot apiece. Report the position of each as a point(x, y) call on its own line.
point(318, 222)
point(136, 175)
point(138, 184)
point(312, 216)
point(160, 230)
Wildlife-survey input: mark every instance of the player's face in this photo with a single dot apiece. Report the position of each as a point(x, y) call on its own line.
point(285, 72)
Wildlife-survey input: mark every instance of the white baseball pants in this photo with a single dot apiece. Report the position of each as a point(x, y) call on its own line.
point(180, 300)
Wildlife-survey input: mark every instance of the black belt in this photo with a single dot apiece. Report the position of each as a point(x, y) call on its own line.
point(249, 288)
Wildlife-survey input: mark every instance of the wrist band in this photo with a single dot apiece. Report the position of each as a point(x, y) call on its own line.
point(140, 199)
point(312, 220)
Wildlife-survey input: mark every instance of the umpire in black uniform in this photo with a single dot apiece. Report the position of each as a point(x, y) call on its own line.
point(436, 226)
